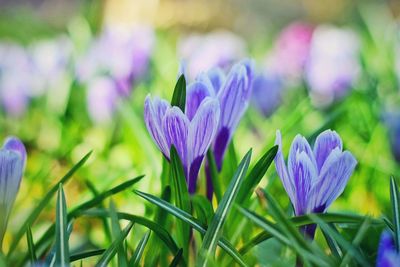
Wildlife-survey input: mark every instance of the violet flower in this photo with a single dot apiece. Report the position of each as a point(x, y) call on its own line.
point(387, 254)
point(191, 132)
point(314, 178)
point(12, 164)
point(267, 93)
point(333, 65)
point(216, 49)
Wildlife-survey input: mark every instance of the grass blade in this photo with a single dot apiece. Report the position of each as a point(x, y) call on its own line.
point(177, 259)
point(184, 216)
point(214, 231)
point(86, 254)
point(179, 95)
point(112, 250)
point(137, 255)
point(116, 231)
point(213, 172)
point(31, 246)
point(182, 200)
point(203, 209)
point(256, 174)
point(395, 199)
point(43, 203)
point(62, 249)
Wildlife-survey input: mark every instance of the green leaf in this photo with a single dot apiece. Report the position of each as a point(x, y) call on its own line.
point(43, 203)
point(395, 199)
point(62, 248)
point(256, 174)
point(212, 165)
point(112, 250)
point(137, 255)
point(203, 208)
point(214, 231)
point(155, 227)
point(341, 241)
point(184, 216)
point(86, 254)
point(182, 200)
point(357, 240)
point(177, 259)
point(87, 205)
point(31, 246)
point(116, 231)
point(179, 96)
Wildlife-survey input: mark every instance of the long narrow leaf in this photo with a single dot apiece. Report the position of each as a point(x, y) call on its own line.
point(31, 246)
point(86, 254)
point(182, 200)
point(177, 259)
point(214, 231)
point(62, 248)
point(112, 250)
point(395, 199)
point(43, 203)
point(213, 172)
point(116, 230)
point(179, 96)
point(137, 255)
point(223, 243)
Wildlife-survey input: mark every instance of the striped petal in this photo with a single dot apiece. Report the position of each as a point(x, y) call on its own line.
point(154, 111)
point(299, 144)
point(332, 179)
point(14, 144)
point(196, 93)
point(217, 78)
point(282, 170)
point(175, 126)
point(304, 172)
point(325, 143)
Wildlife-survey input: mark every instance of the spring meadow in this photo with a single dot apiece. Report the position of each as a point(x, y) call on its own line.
point(199, 133)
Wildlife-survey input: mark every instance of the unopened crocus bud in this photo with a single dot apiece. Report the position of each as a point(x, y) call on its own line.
point(12, 163)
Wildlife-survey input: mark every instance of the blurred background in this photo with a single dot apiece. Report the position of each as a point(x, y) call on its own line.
point(74, 75)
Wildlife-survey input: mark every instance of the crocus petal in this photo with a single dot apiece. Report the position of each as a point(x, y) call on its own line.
point(304, 172)
point(154, 111)
point(11, 170)
point(299, 144)
point(282, 170)
point(196, 93)
point(217, 78)
point(387, 254)
point(325, 143)
point(14, 144)
point(202, 131)
point(332, 179)
point(175, 126)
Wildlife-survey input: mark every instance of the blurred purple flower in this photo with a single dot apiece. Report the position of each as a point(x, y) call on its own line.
point(123, 54)
point(313, 179)
point(292, 47)
point(267, 93)
point(191, 132)
point(392, 121)
point(333, 65)
point(216, 49)
point(387, 254)
point(12, 163)
point(233, 93)
point(101, 99)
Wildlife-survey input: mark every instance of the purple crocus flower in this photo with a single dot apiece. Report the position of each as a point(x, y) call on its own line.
point(202, 52)
point(12, 164)
point(333, 65)
point(387, 254)
point(314, 178)
point(191, 132)
point(233, 93)
point(267, 93)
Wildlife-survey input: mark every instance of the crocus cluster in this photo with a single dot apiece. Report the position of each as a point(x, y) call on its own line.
point(12, 163)
point(216, 49)
point(314, 178)
point(388, 256)
point(115, 60)
point(40, 69)
point(214, 106)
